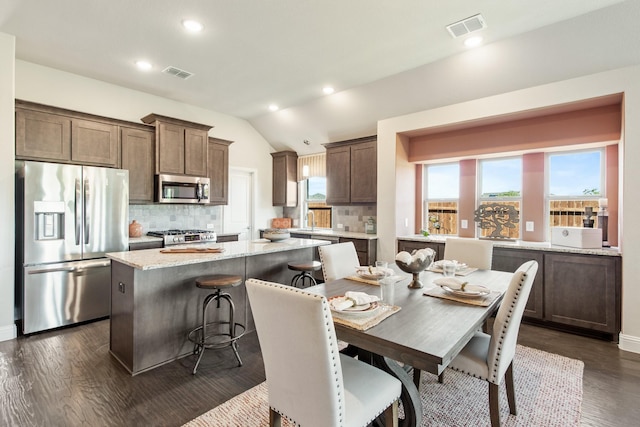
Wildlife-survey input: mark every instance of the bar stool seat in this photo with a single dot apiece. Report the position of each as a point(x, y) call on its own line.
point(203, 337)
point(305, 269)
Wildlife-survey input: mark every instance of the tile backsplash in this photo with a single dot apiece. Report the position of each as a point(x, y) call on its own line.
point(166, 217)
point(353, 218)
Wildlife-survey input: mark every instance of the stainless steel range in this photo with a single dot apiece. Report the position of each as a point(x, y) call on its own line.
point(181, 237)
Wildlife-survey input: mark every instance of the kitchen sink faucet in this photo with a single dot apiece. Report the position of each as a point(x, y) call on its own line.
point(313, 219)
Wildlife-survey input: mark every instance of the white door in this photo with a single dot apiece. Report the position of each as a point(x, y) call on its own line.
point(238, 214)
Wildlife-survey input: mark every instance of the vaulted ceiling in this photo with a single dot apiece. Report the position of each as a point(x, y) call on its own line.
point(383, 58)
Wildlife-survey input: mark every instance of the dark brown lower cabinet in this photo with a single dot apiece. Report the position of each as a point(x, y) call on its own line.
point(580, 293)
point(583, 291)
point(509, 260)
point(138, 246)
point(366, 249)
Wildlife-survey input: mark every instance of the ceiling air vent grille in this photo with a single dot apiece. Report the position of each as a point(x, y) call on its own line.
point(175, 71)
point(466, 26)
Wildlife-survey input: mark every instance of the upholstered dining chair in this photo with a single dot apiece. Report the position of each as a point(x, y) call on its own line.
point(338, 260)
point(473, 252)
point(490, 357)
point(308, 380)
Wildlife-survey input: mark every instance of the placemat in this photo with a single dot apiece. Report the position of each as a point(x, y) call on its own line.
point(463, 272)
point(373, 282)
point(365, 322)
point(485, 301)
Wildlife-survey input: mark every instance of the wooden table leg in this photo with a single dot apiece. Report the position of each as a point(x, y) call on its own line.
point(410, 397)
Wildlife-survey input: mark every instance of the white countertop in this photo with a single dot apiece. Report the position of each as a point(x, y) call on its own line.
point(150, 259)
point(519, 244)
point(331, 232)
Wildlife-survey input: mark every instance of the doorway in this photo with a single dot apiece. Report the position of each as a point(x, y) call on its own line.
point(239, 213)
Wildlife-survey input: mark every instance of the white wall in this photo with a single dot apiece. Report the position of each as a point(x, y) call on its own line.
point(621, 80)
point(7, 186)
point(48, 86)
point(53, 87)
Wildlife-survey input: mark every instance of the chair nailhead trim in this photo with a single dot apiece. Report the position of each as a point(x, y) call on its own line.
point(493, 375)
point(329, 323)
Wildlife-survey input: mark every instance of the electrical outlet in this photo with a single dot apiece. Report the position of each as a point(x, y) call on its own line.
point(529, 226)
point(210, 226)
point(340, 226)
point(406, 222)
point(464, 223)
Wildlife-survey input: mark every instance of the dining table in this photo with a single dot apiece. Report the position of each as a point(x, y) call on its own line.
point(421, 333)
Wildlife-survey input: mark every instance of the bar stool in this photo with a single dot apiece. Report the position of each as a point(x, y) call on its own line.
point(305, 269)
point(200, 336)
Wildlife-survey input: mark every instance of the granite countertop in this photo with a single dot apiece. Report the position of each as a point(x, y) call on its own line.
point(149, 259)
point(519, 244)
point(330, 232)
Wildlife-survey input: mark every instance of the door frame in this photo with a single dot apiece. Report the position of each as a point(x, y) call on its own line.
point(252, 200)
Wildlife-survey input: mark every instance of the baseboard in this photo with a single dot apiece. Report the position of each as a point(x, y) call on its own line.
point(8, 332)
point(629, 343)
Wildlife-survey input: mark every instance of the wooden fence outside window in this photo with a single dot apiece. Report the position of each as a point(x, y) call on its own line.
point(442, 217)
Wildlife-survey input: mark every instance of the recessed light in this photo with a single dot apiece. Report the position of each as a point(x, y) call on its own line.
point(192, 26)
point(144, 65)
point(273, 107)
point(328, 90)
point(473, 41)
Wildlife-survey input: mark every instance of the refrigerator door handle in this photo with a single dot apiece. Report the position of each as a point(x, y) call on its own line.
point(87, 214)
point(78, 212)
point(81, 267)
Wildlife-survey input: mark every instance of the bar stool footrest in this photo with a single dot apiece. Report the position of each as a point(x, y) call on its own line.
point(205, 343)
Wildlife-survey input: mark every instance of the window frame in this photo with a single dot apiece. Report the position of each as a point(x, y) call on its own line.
point(603, 174)
point(426, 200)
point(548, 198)
point(480, 199)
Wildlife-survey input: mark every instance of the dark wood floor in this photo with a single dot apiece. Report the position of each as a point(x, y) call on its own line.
point(68, 378)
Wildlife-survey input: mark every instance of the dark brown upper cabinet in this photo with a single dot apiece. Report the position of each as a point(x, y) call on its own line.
point(218, 166)
point(352, 171)
point(181, 146)
point(52, 134)
point(137, 147)
point(285, 179)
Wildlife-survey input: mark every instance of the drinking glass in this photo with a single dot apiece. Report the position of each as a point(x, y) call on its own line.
point(387, 292)
point(449, 269)
point(381, 265)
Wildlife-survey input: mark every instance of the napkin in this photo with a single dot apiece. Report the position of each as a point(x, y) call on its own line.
point(451, 282)
point(340, 304)
point(360, 298)
point(374, 270)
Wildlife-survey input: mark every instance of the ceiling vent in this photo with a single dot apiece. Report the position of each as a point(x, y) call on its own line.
point(174, 71)
point(466, 26)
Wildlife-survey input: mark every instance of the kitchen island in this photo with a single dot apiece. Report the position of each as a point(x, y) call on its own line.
point(154, 300)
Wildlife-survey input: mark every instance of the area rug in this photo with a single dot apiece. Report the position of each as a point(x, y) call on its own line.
point(548, 393)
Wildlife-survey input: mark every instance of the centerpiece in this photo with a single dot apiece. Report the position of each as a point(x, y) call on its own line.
point(415, 263)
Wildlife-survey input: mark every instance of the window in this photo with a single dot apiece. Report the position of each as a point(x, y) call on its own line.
point(575, 183)
point(501, 183)
point(442, 188)
point(315, 201)
point(316, 189)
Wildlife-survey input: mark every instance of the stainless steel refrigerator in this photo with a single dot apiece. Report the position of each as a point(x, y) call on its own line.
point(68, 216)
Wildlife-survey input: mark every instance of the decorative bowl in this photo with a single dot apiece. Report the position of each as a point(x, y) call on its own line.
point(416, 265)
point(276, 234)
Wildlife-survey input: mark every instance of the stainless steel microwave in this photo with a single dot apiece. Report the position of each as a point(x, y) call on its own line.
point(182, 189)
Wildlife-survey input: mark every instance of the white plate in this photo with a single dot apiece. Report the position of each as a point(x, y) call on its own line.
point(459, 265)
point(470, 291)
point(373, 273)
point(356, 310)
